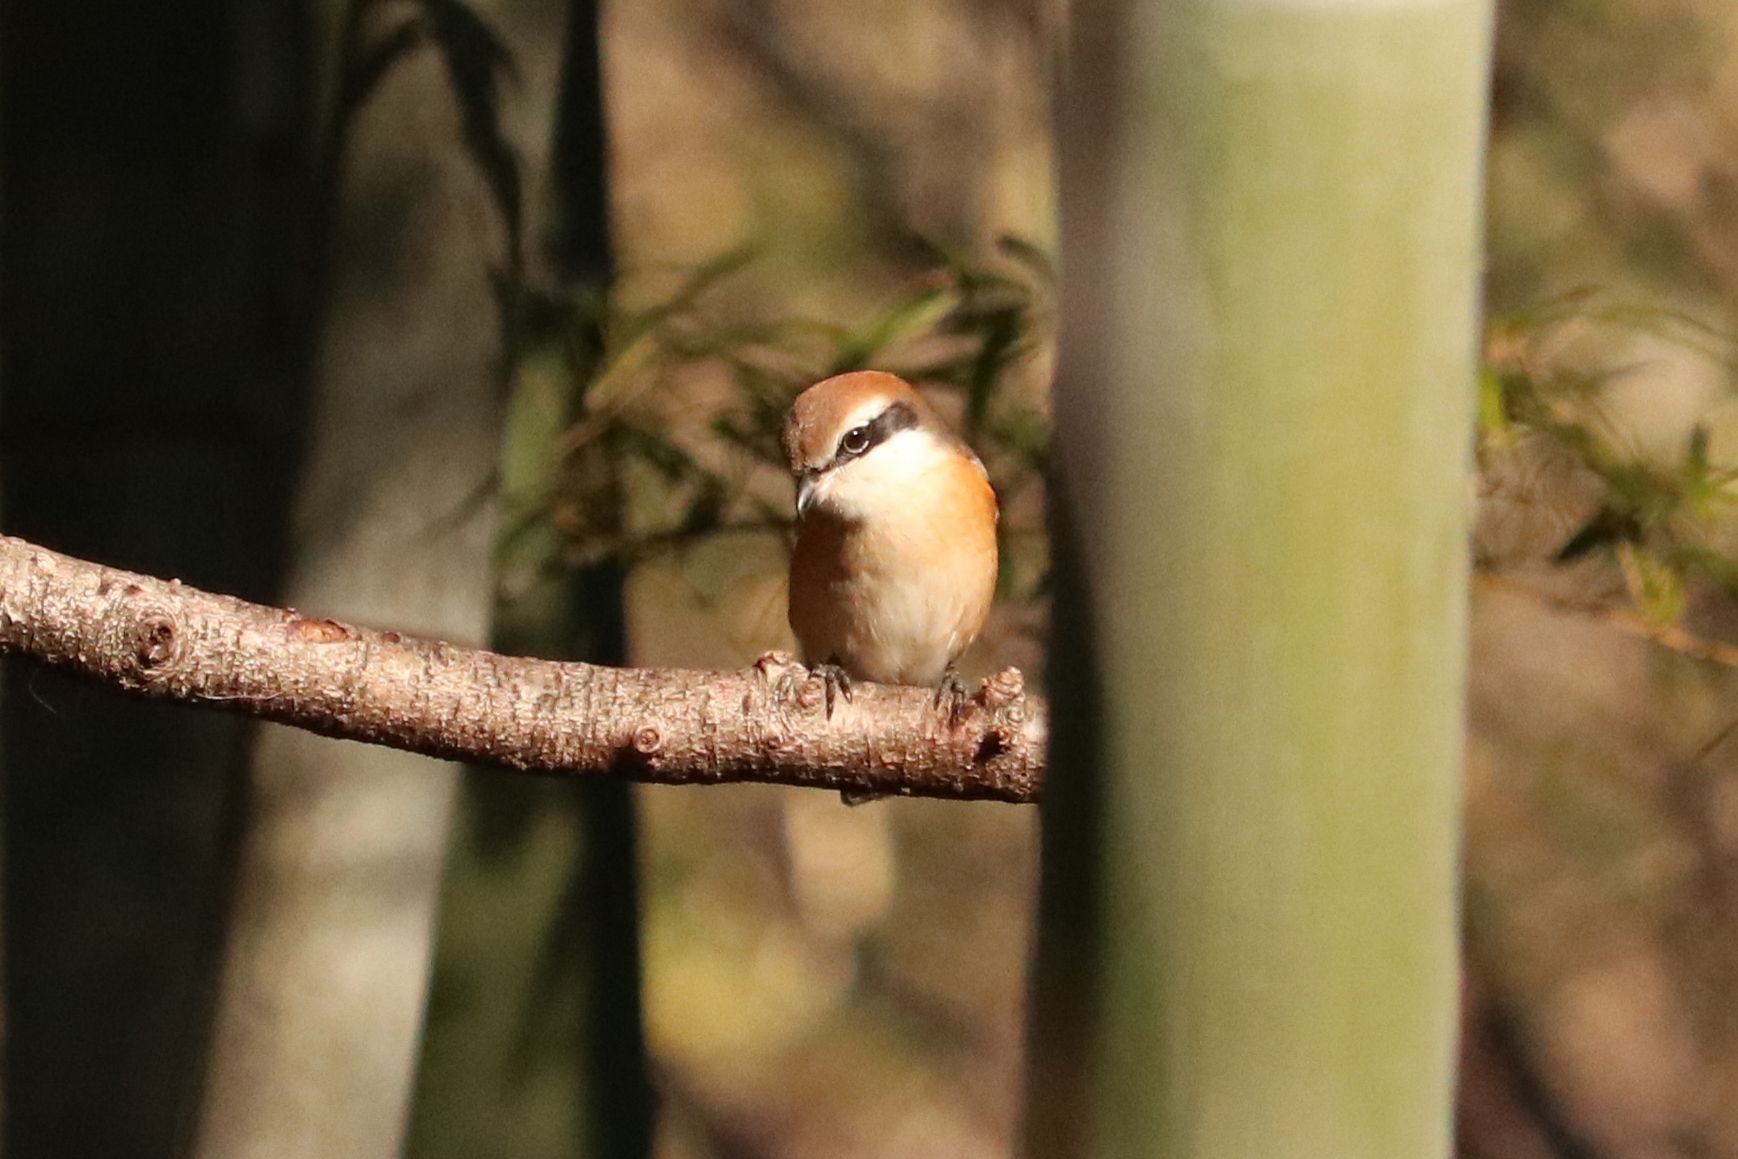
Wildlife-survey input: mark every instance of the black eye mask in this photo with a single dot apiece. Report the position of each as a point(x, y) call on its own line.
point(860, 440)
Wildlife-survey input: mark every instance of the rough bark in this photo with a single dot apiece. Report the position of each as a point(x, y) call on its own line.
point(165, 640)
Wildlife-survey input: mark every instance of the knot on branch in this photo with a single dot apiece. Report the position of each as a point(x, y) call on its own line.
point(1006, 689)
point(648, 740)
point(789, 684)
point(993, 745)
point(770, 664)
point(154, 641)
point(318, 631)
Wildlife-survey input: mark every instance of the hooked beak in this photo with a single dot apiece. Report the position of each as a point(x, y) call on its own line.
point(806, 483)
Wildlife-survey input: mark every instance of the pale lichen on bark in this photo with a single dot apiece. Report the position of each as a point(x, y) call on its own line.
point(165, 640)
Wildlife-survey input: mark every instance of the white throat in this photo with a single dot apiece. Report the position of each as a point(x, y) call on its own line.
point(857, 490)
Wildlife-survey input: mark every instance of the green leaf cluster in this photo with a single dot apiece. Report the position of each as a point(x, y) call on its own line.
point(1662, 521)
point(614, 447)
point(621, 444)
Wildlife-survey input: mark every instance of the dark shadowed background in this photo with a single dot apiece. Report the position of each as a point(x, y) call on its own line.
point(207, 260)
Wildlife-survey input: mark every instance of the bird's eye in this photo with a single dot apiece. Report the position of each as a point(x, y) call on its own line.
point(856, 441)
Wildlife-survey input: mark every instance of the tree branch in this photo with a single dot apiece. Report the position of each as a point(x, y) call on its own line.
point(164, 640)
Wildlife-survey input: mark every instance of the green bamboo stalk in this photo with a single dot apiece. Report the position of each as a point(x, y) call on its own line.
point(1271, 247)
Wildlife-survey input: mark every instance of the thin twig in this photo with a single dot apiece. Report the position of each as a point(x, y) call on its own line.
point(1671, 636)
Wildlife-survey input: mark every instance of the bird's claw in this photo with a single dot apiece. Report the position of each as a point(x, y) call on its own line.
point(837, 683)
point(951, 697)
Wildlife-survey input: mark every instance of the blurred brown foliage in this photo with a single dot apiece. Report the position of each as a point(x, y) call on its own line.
point(1603, 774)
point(823, 980)
point(804, 187)
point(797, 189)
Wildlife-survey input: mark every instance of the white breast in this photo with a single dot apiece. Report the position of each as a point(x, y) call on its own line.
point(895, 569)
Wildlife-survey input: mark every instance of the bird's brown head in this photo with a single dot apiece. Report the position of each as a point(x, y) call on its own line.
point(846, 416)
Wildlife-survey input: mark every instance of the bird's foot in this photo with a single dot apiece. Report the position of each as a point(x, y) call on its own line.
point(837, 683)
point(951, 697)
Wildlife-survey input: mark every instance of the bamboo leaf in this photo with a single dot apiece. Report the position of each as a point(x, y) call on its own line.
point(906, 317)
point(1493, 411)
point(670, 460)
point(477, 61)
point(633, 327)
point(1606, 528)
point(1030, 256)
point(1654, 584)
point(373, 62)
point(706, 510)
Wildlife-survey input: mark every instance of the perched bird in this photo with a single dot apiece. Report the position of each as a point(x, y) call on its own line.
point(895, 560)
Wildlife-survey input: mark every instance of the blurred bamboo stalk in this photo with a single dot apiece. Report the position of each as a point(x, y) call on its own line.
point(1271, 250)
point(322, 994)
point(535, 1042)
point(617, 1104)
